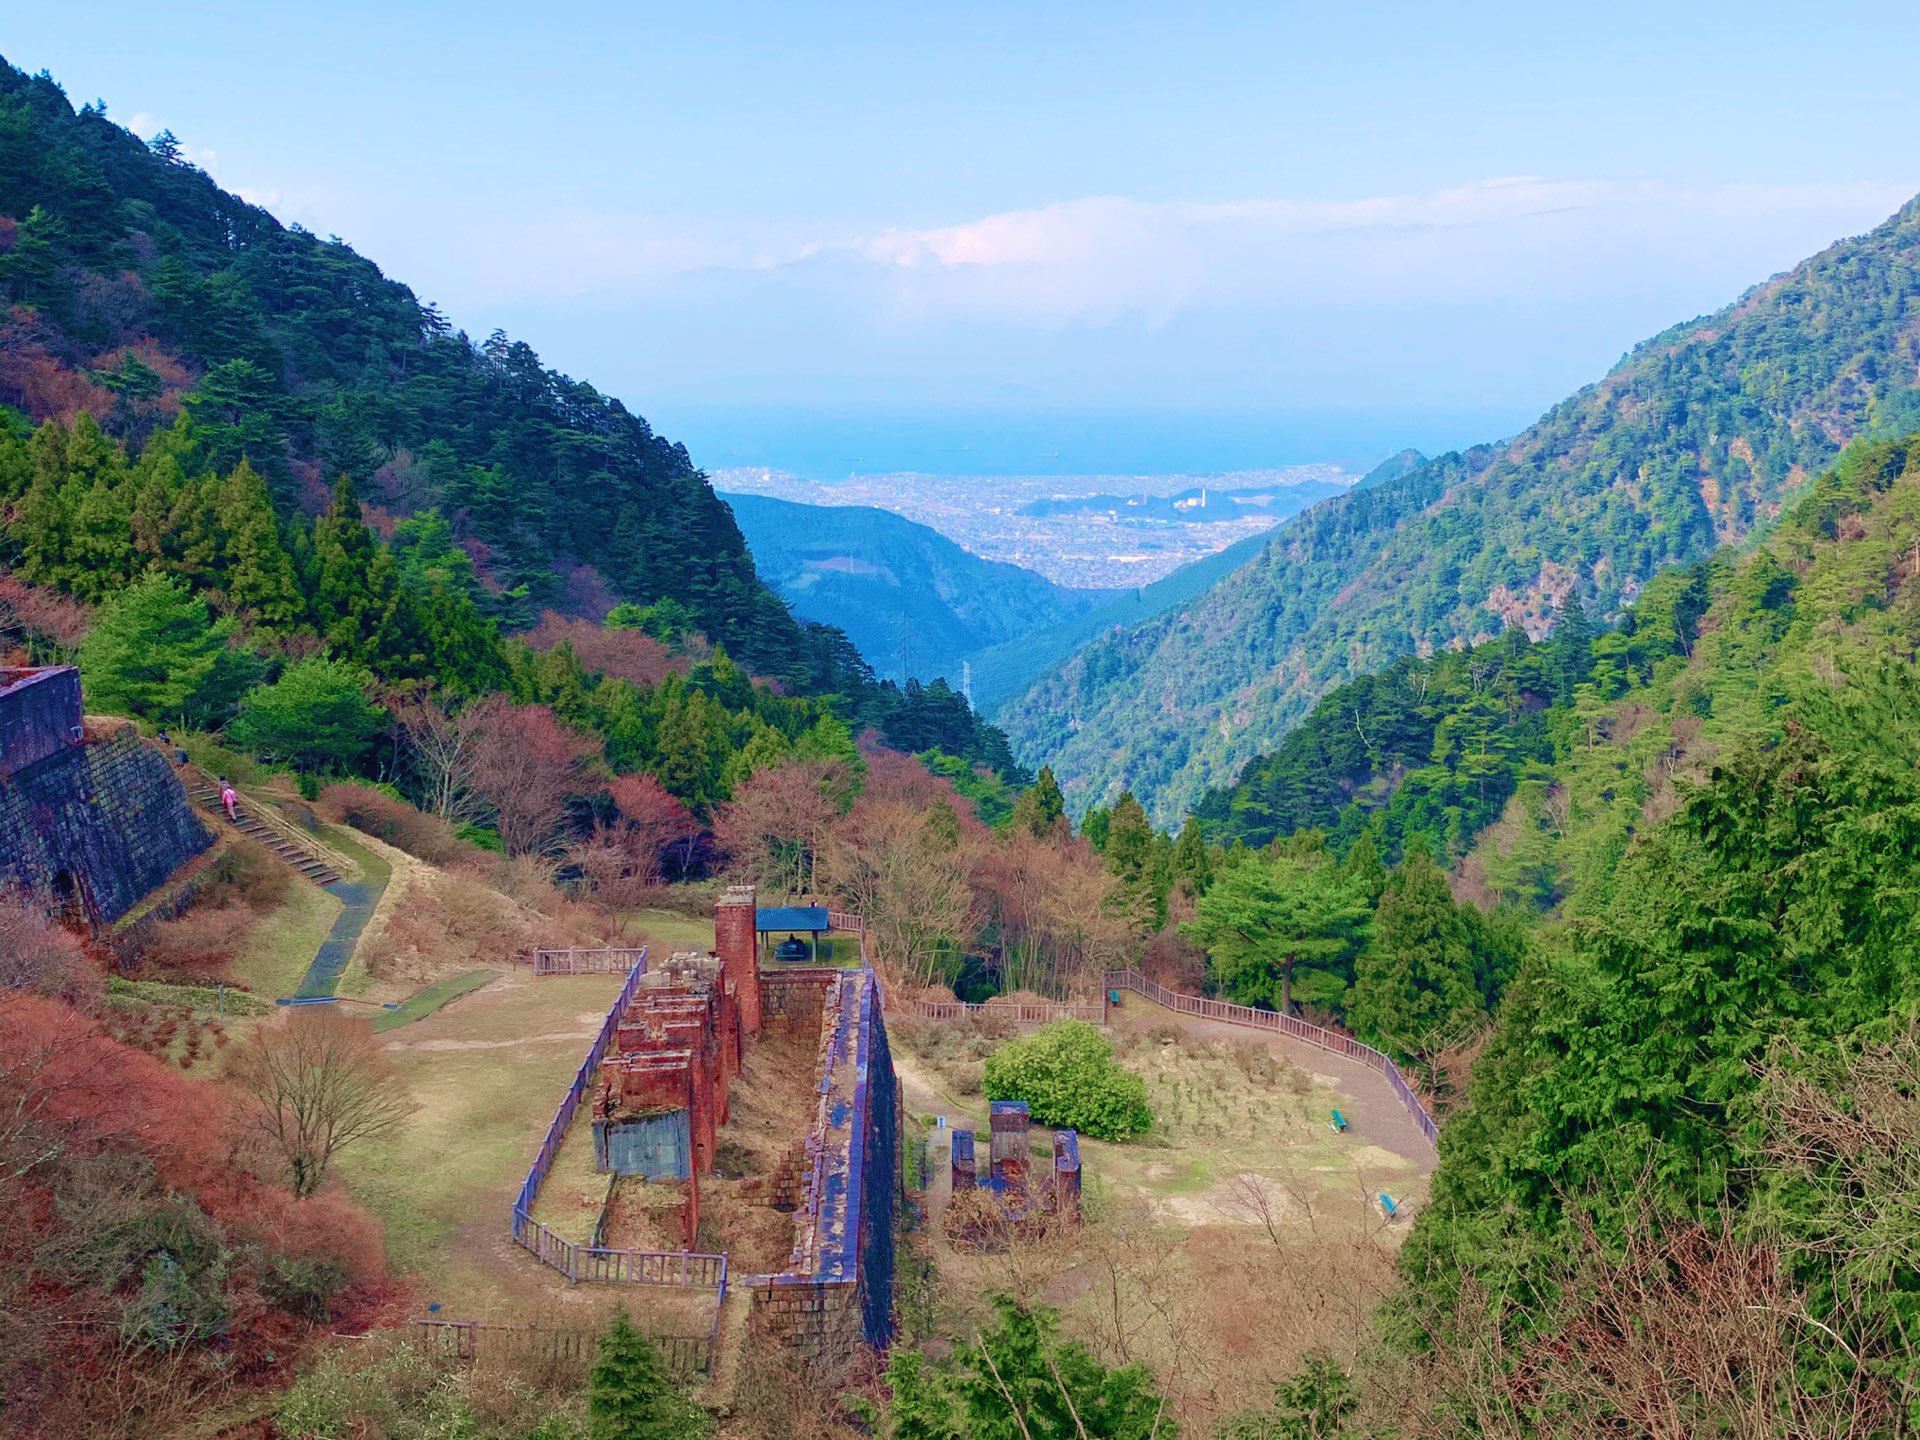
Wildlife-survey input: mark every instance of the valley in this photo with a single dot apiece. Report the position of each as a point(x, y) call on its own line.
point(509, 934)
point(1094, 532)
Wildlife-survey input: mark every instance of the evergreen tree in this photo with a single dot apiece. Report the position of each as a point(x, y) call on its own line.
point(316, 716)
point(1264, 915)
point(1364, 867)
point(1134, 853)
point(1570, 652)
point(1191, 862)
point(1414, 989)
point(156, 652)
point(630, 1395)
point(1041, 805)
point(258, 573)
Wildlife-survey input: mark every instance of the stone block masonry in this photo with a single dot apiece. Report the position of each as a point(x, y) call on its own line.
point(90, 816)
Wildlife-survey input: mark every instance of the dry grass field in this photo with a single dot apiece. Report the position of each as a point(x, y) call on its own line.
point(487, 1072)
point(1237, 1236)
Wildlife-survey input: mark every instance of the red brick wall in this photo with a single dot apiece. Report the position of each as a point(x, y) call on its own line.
point(736, 940)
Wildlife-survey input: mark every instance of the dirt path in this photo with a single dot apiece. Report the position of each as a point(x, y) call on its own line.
point(1374, 1113)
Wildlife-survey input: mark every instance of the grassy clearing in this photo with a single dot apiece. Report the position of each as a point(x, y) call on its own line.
point(201, 999)
point(570, 1202)
point(1220, 1248)
point(668, 930)
point(279, 949)
point(487, 1075)
point(418, 1007)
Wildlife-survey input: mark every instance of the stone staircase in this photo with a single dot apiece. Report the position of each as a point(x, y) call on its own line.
point(206, 794)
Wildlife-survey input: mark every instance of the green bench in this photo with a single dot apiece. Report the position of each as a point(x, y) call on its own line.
point(1339, 1123)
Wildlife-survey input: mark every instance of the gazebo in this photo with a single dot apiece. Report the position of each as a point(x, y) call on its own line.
point(793, 921)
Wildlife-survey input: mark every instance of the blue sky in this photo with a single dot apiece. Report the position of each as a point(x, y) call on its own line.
point(1042, 236)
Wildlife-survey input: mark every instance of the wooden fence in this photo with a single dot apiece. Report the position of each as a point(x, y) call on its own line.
point(1299, 1029)
point(1093, 1012)
point(592, 1262)
point(685, 1355)
point(601, 960)
point(847, 921)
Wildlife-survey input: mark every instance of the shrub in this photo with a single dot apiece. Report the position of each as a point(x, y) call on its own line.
point(1067, 1075)
point(376, 812)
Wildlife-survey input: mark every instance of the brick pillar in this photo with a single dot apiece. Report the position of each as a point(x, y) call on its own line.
point(963, 1171)
point(1066, 1174)
point(736, 938)
point(1008, 1153)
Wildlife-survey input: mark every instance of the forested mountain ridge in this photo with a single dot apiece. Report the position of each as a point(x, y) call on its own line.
point(1693, 440)
point(1001, 672)
point(897, 587)
point(137, 289)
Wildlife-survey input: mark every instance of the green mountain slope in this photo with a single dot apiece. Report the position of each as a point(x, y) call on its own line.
point(1693, 440)
point(133, 286)
point(1001, 672)
point(889, 582)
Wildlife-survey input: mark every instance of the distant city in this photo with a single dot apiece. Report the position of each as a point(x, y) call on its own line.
point(1089, 532)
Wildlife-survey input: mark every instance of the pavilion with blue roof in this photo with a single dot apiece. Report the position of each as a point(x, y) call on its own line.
point(793, 921)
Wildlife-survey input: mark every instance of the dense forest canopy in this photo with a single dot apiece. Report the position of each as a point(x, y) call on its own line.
point(1694, 440)
point(137, 289)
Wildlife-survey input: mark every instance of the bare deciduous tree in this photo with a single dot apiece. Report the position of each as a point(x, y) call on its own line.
point(887, 861)
point(778, 820)
point(524, 764)
point(314, 1085)
point(441, 744)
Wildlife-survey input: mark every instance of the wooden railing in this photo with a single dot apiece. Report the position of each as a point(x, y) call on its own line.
point(685, 1355)
point(847, 921)
point(580, 960)
point(1038, 1013)
point(1324, 1038)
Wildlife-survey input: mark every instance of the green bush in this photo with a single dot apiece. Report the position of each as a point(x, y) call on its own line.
point(316, 716)
point(1067, 1075)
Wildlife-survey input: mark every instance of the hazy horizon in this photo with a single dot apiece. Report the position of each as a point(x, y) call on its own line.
point(1083, 238)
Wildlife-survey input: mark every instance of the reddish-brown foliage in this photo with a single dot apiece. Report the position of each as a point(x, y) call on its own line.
point(425, 837)
point(619, 654)
point(33, 612)
point(525, 764)
point(777, 820)
point(100, 1143)
point(622, 860)
point(38, 956)
point(34, 379)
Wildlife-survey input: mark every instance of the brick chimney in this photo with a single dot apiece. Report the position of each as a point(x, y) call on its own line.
point(737, 941)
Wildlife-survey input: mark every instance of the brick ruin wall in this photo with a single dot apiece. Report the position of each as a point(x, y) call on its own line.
point(100, 821)
point(1010, 1174)
point(678, 1047)
point(837, 1290)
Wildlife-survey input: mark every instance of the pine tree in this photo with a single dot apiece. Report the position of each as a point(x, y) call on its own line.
point(1415, 988)
point(1571, 649)
point(258, 573)
point(156, 652)
point(1040, 805)
point(630, 1395)
point(1191, 862)
point(1364, 867)
point(1264, 915)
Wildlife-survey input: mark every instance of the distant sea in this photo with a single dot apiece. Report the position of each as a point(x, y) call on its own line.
point(1018, 440)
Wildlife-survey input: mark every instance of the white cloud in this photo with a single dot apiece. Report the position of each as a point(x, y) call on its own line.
point(1105, 259)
